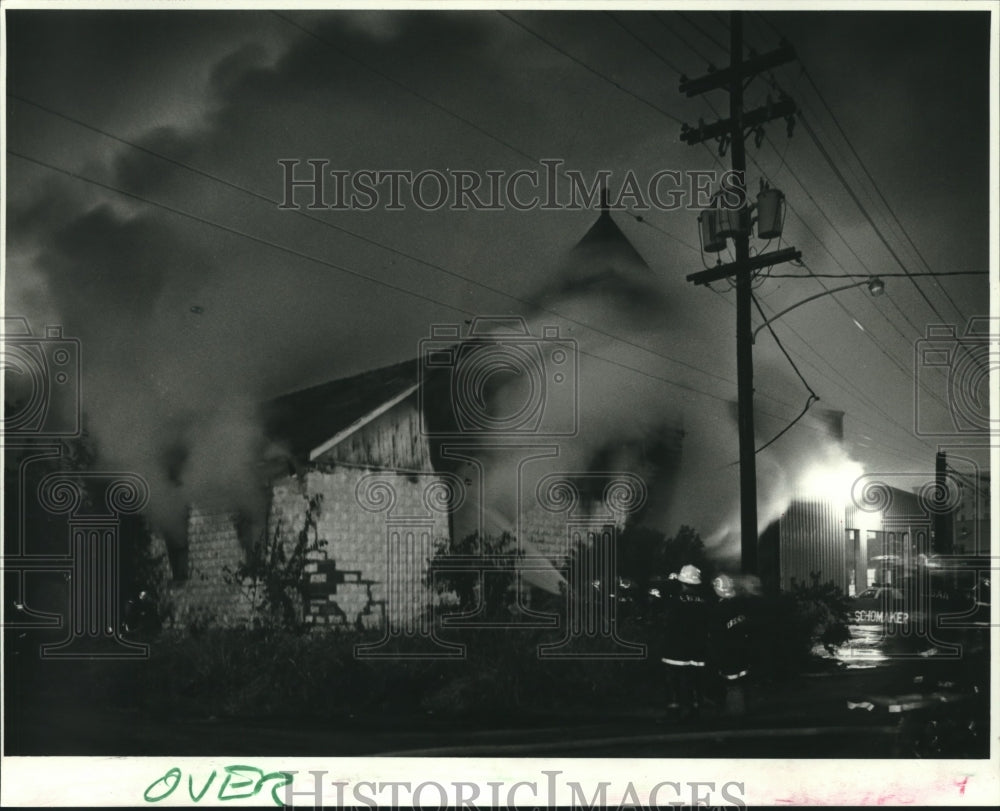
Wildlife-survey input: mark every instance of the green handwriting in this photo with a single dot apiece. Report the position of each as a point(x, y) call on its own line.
point(239, 783)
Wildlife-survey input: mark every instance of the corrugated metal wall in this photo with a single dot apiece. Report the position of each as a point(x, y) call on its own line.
point(813, 536)
point(812, 541)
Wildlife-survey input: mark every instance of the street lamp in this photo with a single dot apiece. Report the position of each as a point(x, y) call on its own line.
point(875, 286)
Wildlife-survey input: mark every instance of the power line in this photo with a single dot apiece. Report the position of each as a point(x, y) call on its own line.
point(879, 275)
point(864, 211)
point(878, 344)
point(836, 261)
point(707, 35)
point(861, 396)
point(391, 79)
point(782, 163)
point(592, 70)
point(754, 21)
point(891, 449)
point(836, 230)
point(845, 385)
point(333, 265)
point(400, 289)
point(376, 243)
point(813, 397)
point(721, 20)
point(680, 73)
point(643, 42)
point(846, 382)
point(231, 230)
point(844, 159)
point(641, 219)
point(659, 19)
point(769, 24)
point(888, 320)
point(815, 138)
point(891, 300)
point(781, 346)
point(637, 217)
point(812, 393)
point(864, 168)
point(448, 112)
point(833, 165)
point(849, 387)
point(875, 185)
point(816, 237)
point(620, 87)
point(666, 62)
point(521, 152)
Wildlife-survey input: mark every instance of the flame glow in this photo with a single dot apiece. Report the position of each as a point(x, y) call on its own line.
point(830, 479)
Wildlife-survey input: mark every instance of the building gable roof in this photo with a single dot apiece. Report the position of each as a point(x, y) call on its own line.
point(313, 420)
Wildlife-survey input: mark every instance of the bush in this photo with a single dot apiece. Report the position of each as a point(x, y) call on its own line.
point(277, 671)
point(273, 574)
point(494, 589)
point(267, 672)
point(794, 622)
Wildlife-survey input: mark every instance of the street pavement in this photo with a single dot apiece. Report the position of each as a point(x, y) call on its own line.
point(805, 716)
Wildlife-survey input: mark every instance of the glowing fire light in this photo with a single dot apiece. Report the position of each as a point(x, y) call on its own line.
point(830, 480)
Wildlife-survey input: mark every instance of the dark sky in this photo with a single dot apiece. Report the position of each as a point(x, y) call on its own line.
point(232, 93)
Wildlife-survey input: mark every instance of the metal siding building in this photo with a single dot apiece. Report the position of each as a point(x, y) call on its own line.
point(812, 543)
point(849, 545)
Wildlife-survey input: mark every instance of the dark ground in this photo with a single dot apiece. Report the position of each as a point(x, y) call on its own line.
point(806, 716)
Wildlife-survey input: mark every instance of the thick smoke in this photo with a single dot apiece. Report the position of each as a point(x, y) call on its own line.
point(639, 412)
point(157, 400)
point(186, 329)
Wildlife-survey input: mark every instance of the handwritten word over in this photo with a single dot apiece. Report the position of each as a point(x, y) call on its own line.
point(237, 783)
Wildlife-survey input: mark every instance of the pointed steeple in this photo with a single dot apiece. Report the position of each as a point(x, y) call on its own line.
point(606, 239)
point(605, 265)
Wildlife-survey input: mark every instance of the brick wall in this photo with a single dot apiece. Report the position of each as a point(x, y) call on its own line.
point(350, 580)
point(204, 596)
point(360, 542)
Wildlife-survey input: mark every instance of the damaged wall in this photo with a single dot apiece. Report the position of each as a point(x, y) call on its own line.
point(375, 560)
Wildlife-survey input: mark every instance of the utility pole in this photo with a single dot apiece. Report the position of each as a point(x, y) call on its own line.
point(744, 331)
point(733, 131)
point(943, 521)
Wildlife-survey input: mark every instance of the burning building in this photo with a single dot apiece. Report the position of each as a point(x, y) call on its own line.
point(853, 546)
point(480, 435)
point(379, 477)
point(490, 432)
